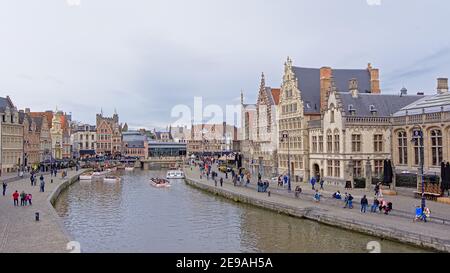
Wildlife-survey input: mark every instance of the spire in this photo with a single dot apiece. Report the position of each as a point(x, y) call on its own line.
point(242, 97)
point(263, 81)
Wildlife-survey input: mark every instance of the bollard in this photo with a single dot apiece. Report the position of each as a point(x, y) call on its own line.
point(37, 216)
point(268, 193)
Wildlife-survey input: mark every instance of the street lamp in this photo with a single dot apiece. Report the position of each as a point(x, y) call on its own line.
point(418, 140)
point(285, 136)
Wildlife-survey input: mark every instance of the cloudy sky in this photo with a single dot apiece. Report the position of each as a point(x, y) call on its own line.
point(143, 57)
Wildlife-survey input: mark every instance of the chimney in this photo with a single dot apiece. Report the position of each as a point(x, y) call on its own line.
point(353, 87)
point(27, 110)
point(325, 85)
point(403, 92)
point(442, 85)
point(374, 79)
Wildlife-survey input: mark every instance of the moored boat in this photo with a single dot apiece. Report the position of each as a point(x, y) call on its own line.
point(86, 176)
point(159, 183)
point(112, 179)
point(129, 168)
point(175, 174)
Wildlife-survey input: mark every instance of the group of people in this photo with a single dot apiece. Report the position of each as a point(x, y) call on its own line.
point(41, 183)
point(263, 186)
point(25, 198)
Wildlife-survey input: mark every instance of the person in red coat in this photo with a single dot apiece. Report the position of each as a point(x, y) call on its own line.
point(16, 198)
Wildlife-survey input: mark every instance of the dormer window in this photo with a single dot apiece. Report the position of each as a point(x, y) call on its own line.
point(308, 105)
point(372, 109)
point(351, 109)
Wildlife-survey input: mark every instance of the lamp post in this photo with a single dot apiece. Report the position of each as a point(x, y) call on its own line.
point(418, 140)
point(285, 137)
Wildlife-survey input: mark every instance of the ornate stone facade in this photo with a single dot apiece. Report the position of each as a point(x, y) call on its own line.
point(11, 137)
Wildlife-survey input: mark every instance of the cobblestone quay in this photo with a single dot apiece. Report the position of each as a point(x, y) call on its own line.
point(20, 232)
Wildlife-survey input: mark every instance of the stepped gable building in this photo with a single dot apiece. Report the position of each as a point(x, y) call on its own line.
point(353, 137)
point(43, 126)
point(31, 138)
point(304, 96)
point(11, 137)
point(260, 133)
point(109, 135)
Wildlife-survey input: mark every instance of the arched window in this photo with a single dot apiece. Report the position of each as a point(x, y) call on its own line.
point(402, 148)
point(336, 141)
point(436, 147)
point(329, 142)
point(332, 113)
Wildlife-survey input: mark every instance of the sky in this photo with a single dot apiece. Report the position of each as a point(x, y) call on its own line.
point(143, 57)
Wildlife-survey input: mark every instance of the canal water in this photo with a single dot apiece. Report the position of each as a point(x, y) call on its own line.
point(133, 216)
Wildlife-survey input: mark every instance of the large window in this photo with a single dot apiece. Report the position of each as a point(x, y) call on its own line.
point(357, 168)
point(336, 142)
point(314, 144)
point(337, 168)
point(378, 143)
point(330, 168)
point(436, 147)
point(402, 148)
point(378, 167)
point(321, 144)
point(356, 143)
point(329, 142)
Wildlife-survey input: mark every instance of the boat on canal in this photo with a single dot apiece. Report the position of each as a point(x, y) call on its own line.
point(111, 179)
point(86, 176)
point(129, 168)
point(175, 174)
point(160, 183)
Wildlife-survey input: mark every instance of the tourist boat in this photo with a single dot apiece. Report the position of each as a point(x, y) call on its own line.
point(129, 168)
point(175, 174)
point(159, 183)
point(111, 179)
point(101, 173)
point(86, 176)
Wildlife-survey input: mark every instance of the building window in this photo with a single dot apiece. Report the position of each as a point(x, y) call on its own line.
point(436, 147)
point(329, 142)
point(336, 142)
point(330, 168)
point(402, 148)
point(378, 167)
point(337, 168)
point(320, 144)
point(314, 144)
point(356, 143)
point(357, 168)
point(378, 143)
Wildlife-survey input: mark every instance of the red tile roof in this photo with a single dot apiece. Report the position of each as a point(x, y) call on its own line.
point(276, 95)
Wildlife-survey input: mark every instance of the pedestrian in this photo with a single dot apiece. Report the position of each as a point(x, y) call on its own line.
point(22, 198)
point(346, 200)
point(42, 185)
point(31, 180)
point(350, 201)
point(321, 184)
point(221, 182)
point(364, 204)
point(4, 187)
point(29, 199)
point(16, 198)
point(375, 205)
point(215, 182)
point(313, 183)
point(259, 177)
point(317, 196)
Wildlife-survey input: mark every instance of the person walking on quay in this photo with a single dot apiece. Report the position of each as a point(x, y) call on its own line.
point(221, 182)
point(317, 196)
point(259, 177)
point(350, 201)
point(16, 198)
point(313, 183)
point(321, 184)
point(29, 197)
point(22, 198)
point(4, 187)
point(42, 185)
point(364, 204)
point(375, 205)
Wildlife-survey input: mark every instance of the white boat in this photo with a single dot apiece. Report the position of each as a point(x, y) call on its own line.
point(112, 179)
point(176, 174)
point(101, 173)
point(86, 177)
point(129, 168)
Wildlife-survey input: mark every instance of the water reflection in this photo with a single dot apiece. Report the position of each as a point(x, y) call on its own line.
point(132, 216)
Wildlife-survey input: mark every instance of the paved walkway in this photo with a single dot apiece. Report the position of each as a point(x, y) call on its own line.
point(396, 225)
point(19, 232)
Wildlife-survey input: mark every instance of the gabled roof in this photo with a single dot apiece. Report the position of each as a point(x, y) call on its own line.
point(38, 121)
point(5, 102)
point(48, 115)
point(385, 105)
point(276, 95)
point(309, 84)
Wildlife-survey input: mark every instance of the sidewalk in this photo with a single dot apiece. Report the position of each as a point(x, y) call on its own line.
point(436, 235)
point(19, 232)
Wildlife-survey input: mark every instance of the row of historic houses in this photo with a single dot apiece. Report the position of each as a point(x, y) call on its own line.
point(337, 124)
